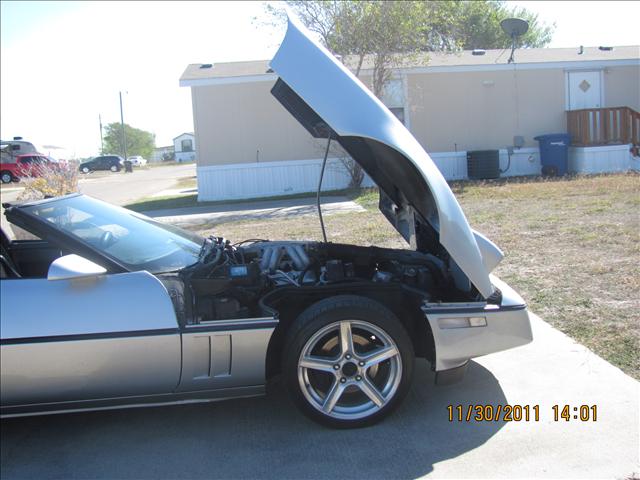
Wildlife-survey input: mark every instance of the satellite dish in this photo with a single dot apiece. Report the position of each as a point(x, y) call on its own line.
point(514, 28)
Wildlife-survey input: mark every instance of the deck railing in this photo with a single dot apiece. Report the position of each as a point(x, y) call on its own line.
point(603, 126)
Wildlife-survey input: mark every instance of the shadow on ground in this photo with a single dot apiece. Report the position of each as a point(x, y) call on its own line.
point(250, 438)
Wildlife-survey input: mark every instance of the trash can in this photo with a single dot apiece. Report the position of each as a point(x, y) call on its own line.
point(128, 166)
point(554, 153)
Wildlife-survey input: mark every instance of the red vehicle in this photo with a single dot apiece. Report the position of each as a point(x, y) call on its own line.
point(17, 166)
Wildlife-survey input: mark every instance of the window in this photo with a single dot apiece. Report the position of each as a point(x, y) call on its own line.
point(187, 145)
point(136, 242)
point(393, 97)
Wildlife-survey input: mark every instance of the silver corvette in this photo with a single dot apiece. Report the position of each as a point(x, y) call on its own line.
point(112, 309)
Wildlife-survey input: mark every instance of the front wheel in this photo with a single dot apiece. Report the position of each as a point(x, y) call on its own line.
point(114, 168)
point(348, 362)
point(6, 177)
point(85, 169)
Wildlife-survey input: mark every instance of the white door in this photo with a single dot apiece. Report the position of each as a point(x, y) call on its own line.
point(584, 90)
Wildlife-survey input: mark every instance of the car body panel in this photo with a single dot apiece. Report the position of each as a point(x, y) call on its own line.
point(89, 338)
point(88, 368)
point(328, 87)
point(103, 162)
point(225, 354)
point(505, 326)
point(137, 160)
point(25, 165)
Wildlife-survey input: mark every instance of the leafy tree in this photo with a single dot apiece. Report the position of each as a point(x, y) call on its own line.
point(383, 29)
point(139, 142)
point(478, 26)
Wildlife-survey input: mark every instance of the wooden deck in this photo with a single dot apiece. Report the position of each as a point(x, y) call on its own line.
point(604, 126)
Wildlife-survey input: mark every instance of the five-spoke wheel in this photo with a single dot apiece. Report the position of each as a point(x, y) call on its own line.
point(353, 361)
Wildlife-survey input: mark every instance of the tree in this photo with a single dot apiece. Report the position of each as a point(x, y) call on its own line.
point(384, 29)
point(139, 142)
point(478, 26)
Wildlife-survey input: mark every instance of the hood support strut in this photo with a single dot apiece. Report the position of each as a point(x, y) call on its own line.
point(324, 164)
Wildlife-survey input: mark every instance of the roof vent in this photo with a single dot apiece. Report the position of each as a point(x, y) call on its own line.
point(581, 51)
point(478, 51)
point(206, 65)
point(605, 49)
point(17, 138)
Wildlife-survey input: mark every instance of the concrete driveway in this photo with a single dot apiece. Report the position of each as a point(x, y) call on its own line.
point(258, 209)
point(267, 438)
point(120, 188)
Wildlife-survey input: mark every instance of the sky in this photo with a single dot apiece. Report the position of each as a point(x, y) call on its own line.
point(63, 64)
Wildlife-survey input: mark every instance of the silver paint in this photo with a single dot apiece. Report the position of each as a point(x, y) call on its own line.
point(89, 369)
point(73, 267)
point(109, 303)
point(504, 329)
point(58, 359)
point(225, 358)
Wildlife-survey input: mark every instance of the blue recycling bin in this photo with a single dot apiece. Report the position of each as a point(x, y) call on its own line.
point(554, 153)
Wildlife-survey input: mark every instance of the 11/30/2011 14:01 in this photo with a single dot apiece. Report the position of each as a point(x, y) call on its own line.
point(519, 413)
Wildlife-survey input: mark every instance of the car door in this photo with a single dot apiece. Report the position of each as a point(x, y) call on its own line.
point(101, 163)
point(78, 339)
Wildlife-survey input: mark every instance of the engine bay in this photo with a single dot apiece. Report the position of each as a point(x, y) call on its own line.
point(232, 281)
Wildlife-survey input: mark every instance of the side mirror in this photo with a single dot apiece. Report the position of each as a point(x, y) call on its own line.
point(72, 267)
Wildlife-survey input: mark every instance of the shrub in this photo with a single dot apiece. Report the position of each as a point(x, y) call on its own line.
point(50, 179)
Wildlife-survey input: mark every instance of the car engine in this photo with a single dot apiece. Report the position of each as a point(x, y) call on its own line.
point(236, 280)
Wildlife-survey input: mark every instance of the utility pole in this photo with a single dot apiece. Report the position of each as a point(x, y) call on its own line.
point(124, 135)
point(101, 138)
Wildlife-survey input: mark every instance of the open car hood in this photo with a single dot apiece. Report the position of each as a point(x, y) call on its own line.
point(327, 99)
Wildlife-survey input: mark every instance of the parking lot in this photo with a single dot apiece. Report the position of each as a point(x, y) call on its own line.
point(120, 187)
point(267, 438)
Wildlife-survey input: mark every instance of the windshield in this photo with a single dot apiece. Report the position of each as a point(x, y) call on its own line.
point(133, 240)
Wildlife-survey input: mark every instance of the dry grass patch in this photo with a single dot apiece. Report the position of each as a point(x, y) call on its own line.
point(572, 249)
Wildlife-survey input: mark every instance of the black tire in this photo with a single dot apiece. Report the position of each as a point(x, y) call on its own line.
point(114, 168)
point(363, 316)
point(6, 176)
point(85, 170)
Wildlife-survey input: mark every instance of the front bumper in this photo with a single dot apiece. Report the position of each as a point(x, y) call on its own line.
point(464, 331)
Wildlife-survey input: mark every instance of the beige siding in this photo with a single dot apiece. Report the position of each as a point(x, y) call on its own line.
point(622, 87)
point(484, 110)
point(243, 123)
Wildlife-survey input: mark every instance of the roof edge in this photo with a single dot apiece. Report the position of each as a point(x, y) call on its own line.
point(565, 64)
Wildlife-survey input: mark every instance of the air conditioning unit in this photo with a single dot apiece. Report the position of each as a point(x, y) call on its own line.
point(483, 164)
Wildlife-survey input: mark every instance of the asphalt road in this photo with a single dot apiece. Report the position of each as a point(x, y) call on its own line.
point(266, 438)
point(121, 188)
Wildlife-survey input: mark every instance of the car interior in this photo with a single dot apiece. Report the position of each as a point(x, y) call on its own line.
point(26, 258)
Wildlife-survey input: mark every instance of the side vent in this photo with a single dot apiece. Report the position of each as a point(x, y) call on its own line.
point(483, 164)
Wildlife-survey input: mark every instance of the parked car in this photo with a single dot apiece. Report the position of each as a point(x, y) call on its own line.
point(131, 311)
point(138, 161)
point(15, 167)
point(103, 162)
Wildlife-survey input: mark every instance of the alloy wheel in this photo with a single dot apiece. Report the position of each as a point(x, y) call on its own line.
point(349, 369)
